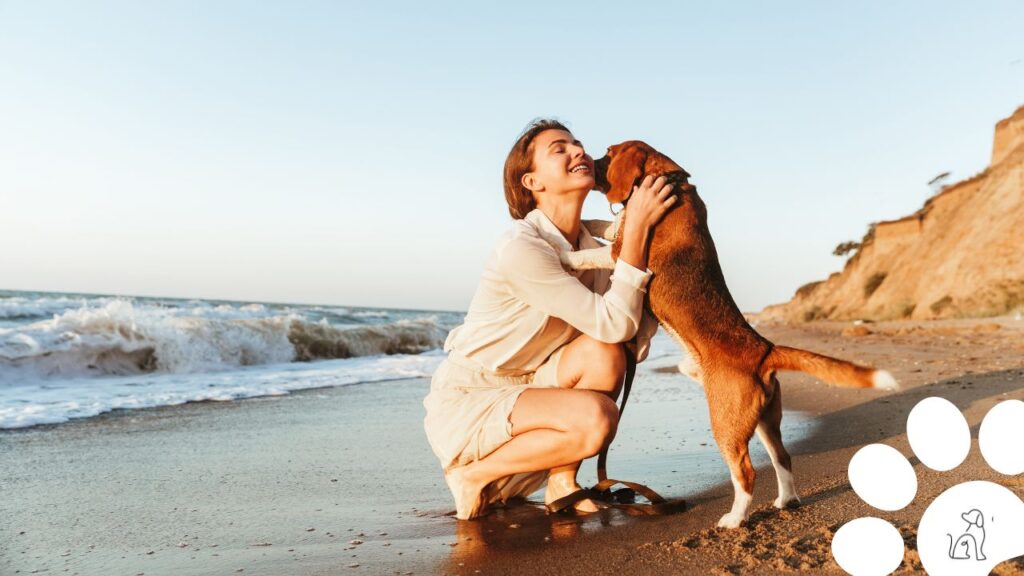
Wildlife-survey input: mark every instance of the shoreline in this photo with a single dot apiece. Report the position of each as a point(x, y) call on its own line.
point(213, 487)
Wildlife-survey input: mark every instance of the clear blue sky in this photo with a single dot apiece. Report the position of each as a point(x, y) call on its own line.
point(351, 153)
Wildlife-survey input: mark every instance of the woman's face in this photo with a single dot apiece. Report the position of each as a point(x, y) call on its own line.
point(559, 164)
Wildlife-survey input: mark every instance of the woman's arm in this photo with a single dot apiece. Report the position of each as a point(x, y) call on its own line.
point(534, 274)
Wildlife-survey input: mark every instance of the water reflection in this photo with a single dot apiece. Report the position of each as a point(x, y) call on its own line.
point(480, 544)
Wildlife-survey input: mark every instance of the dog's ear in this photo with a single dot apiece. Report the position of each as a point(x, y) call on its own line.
point(624, 170)
point(974, 517)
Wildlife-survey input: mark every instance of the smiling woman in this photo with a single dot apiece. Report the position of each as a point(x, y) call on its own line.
point(520, 161)
point(527, 389)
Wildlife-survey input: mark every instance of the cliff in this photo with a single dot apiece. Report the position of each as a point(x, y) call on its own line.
point(960, 255)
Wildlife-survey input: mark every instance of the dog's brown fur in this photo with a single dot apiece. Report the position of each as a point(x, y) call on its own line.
point(689, 297)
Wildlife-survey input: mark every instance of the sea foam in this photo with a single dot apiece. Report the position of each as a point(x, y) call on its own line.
point(65, 356)
point(59, 400)
point(123, 338)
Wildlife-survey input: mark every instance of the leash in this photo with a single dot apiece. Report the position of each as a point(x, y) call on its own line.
point(624, 498)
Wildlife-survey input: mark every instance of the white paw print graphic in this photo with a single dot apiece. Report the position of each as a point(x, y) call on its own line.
point(967, 529)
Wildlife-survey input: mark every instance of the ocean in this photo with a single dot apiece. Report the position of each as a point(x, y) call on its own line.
point(66, 356)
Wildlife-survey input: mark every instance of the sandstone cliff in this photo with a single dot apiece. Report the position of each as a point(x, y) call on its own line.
point(960, 255)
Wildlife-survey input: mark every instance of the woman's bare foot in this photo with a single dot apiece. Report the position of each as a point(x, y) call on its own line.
point(467, 490)
point(559, 486)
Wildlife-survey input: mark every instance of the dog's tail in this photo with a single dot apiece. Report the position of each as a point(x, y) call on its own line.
point(832, 370)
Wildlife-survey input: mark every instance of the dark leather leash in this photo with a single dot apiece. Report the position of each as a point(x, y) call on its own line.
point(624, 498)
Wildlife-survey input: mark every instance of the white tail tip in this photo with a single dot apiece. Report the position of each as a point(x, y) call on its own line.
point(883, 380)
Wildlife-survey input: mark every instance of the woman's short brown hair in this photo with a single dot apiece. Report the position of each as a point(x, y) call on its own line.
point(520, 161)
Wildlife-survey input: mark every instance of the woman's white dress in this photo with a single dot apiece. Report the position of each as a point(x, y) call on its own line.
point(525, 310)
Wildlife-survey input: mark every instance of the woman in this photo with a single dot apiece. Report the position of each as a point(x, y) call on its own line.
point(527, 391)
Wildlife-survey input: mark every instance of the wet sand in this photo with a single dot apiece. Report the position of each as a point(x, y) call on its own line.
point(341, 480)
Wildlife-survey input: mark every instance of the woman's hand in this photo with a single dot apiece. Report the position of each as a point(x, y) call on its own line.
point(648, 203)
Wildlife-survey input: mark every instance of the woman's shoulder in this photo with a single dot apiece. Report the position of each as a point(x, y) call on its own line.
point(523, 234)
point(521, 243)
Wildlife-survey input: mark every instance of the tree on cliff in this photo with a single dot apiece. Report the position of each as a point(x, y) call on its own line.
point(938, 183)
point(845, 248)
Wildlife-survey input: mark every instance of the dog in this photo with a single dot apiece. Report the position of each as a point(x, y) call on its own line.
point(972, 540)
point(687, 294)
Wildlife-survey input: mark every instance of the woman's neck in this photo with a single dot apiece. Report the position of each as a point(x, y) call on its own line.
point(566, 217)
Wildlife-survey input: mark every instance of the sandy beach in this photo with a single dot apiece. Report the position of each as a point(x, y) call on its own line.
point(241, 238)
point(341, 480)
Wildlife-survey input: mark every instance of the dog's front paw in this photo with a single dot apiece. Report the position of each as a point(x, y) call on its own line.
point(589, 259)
point(600, 228)
point(731, 520)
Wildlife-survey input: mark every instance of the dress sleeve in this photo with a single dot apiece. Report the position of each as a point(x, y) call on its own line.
point(644, 335)
point(535, 275)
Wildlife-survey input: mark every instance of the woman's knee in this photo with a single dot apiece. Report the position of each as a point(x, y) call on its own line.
point(595, 425)
point(602, 364)
point(615, 356)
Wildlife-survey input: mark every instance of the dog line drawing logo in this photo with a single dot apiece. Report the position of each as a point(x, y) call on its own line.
point(972, 540)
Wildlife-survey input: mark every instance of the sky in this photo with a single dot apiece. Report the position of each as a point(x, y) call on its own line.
point(350, 153)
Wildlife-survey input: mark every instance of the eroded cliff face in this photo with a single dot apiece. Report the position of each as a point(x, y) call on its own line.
point(960, 255)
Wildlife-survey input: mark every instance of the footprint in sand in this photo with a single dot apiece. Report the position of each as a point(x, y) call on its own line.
point(966, 530)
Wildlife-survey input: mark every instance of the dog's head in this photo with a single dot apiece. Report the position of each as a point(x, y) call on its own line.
point(625, 165)
point(974, 517)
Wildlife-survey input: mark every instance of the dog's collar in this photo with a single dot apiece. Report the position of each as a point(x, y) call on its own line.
point(674, 177)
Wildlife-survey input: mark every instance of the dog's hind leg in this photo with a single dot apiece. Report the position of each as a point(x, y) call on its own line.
point(769, 431)
point(733, 423)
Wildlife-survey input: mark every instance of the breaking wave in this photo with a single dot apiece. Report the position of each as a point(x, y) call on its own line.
point(119, 337)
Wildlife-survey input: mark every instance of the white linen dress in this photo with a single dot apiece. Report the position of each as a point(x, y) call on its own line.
point(525, 310)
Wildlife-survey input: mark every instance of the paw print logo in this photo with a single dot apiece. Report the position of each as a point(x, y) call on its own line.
point(967, 529)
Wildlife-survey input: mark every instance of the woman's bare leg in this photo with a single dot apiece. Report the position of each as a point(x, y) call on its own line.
point(551, 428)
point(586, 364)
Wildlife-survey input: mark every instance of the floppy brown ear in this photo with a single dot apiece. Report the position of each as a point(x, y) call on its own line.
point(623, 171)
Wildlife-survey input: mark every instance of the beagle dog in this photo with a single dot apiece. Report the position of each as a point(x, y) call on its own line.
point(687, 294)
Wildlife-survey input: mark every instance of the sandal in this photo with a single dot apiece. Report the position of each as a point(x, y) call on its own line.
point(625, 498)
point(566, 503)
